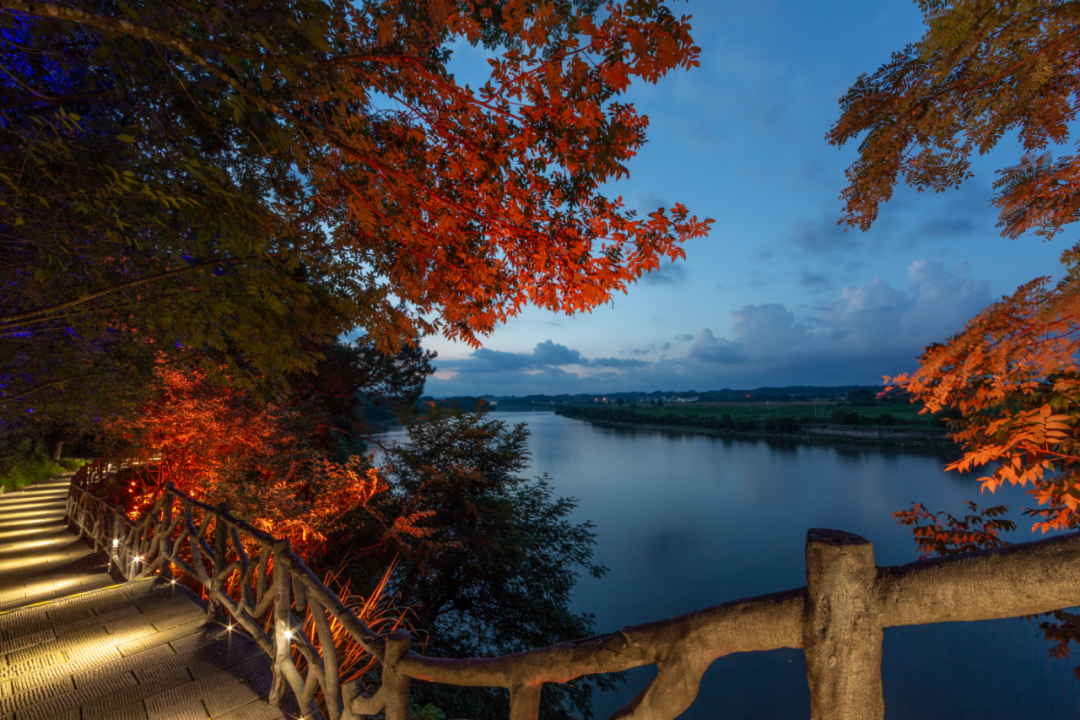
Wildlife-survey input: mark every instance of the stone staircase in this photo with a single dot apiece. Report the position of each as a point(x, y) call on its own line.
point(76, 644)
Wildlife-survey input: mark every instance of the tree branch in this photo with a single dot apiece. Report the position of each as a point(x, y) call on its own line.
point(99, 373)
point(124, 27)
point(84, 312)
point(187, 48)
point(1018, 63)
point(19, 317)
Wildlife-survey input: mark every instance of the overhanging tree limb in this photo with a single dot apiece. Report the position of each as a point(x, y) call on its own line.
point(86, 376)
point(45, 311)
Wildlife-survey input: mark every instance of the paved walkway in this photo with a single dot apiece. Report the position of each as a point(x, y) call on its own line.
point(77, 645)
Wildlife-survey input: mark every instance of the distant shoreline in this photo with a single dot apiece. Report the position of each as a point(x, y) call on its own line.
point(886, 437)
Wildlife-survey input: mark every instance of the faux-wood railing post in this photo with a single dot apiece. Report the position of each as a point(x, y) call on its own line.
point(394, 683)
point(842, 628)
point(525, 701)
point(164, 539)
point(282, 632)
point(69, 505)
point(217, 576)
point(113, 545)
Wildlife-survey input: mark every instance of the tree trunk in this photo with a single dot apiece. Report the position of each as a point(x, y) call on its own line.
point(57, 449)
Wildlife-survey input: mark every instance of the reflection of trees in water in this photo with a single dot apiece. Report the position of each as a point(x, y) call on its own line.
point(787, 445)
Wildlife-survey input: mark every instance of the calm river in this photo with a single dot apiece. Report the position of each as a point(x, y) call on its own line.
point(689, 521)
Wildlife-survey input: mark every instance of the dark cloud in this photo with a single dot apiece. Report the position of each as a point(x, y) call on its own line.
point(953, 215)
point(756, 174)
point(867, 331)
point(812, 172)
point(684, 338)
point(822, 237)
point(667, 274)
point(545, 355)
point(550, 353)
point(700, 134)
point(610, 362)
point(948, 227)
point(710, 349)
point(647, 203)
point(768, 111)
point(666, 346)
point(494, 361)
point(906, 221)
point(814, 281)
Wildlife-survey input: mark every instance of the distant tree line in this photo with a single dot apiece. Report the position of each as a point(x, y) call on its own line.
point(724, 421)
point(795, 393)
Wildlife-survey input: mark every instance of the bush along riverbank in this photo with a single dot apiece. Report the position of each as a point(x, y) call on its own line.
point(879, 425)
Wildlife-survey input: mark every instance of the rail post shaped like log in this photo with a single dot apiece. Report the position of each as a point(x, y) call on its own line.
point(214, 610)
point(282, 633)
point(72, 489)
point(395, 684)
point(842, 628)
point(112, 545)
point(525, 701)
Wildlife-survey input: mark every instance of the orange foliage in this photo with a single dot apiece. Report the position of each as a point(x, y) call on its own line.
point(1014, 373)
point(941, 534)
point(489, 197)
point(449, 206)
point(976, 531)
point(377, 610)
point(985, 69)
point(218, 445)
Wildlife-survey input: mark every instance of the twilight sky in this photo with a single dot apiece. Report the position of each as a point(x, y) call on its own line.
point(778, 294)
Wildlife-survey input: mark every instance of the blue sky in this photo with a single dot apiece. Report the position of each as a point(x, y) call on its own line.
point(778, 294)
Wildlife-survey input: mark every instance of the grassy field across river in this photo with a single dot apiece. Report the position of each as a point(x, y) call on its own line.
point(879, 419)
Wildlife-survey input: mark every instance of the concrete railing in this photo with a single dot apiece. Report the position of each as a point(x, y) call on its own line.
point(837, 619)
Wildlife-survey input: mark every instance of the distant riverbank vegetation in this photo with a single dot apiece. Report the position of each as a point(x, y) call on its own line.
point(839, 415)
point(793, 393)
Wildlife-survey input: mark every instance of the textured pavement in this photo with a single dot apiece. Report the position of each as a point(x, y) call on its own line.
point(39, 558)
point(77, 645)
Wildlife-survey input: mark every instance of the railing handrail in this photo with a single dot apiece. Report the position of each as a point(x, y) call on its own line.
point(837, 619)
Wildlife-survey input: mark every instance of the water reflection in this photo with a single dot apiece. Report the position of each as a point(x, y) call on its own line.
point(687, 521)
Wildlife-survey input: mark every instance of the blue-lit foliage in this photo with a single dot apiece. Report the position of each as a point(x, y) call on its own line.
point(126, 180)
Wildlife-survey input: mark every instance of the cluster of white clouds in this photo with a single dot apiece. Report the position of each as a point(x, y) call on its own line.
point(854, 337)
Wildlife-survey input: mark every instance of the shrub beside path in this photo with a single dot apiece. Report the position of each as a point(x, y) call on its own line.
point(76, 644)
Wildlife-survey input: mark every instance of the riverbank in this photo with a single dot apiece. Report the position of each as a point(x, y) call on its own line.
point(928, 439)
